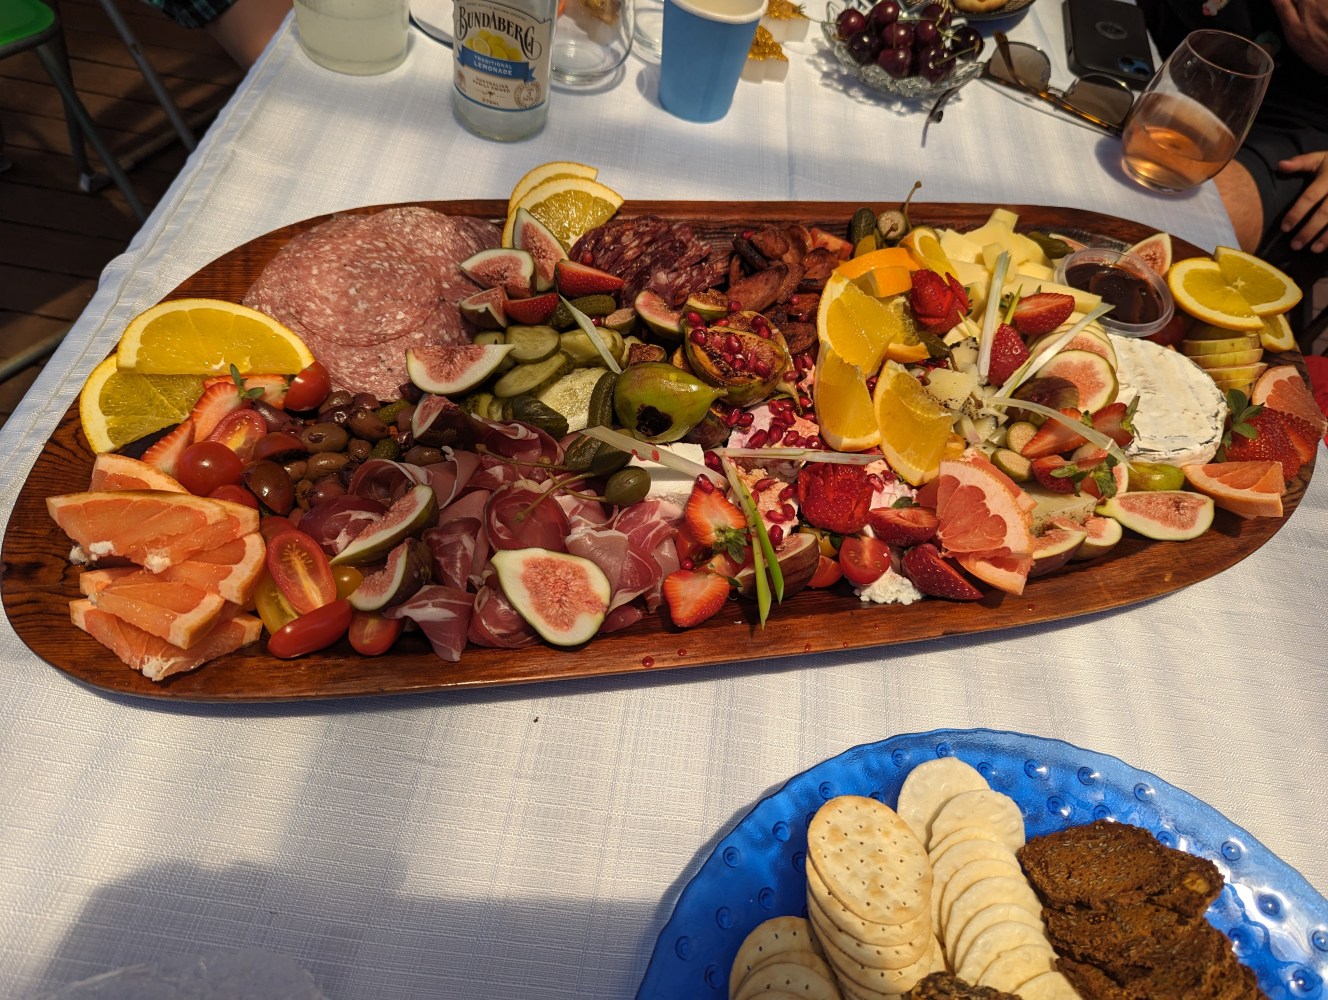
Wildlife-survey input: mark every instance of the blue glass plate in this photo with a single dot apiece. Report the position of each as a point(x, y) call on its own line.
point(1277, 923)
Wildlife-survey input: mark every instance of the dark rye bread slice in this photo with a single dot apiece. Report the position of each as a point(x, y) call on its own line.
point(945, 986)
point(1100, 861)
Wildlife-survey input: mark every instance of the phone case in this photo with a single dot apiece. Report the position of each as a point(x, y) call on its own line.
point(1108, 36)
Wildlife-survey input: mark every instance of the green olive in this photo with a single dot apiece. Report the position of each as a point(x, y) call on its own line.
point(627, 486)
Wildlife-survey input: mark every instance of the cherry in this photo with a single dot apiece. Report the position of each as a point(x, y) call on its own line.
point(897, 62)
point(863, 47)
point(925, 33)
point(884, 14)
point(850, 22)
point(934, 63)
point(898, 35)
point(966, 42)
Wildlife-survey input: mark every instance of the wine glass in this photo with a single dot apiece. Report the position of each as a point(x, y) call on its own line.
point(1195, 112)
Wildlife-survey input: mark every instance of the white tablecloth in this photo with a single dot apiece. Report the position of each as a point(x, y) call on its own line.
point(531, 841)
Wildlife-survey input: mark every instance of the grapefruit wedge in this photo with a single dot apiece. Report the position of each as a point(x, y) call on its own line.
point(153, 528)
point(1250, 489)
point(113, 471)
point(232, 571)
point(981, 510)
point(1282, 389)
point(154, 657)
point(180, 613)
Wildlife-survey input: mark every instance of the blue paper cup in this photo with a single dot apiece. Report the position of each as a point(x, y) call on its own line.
point(705, 47)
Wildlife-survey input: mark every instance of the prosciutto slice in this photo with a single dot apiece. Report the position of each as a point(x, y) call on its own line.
point(442, 614)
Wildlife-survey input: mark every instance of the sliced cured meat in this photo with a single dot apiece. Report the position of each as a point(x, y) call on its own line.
point(650, 252)
point(360, 289)
point(443, 615)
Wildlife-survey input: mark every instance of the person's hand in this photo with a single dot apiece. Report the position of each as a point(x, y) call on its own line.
point(1305, 27)
point(1310, 210)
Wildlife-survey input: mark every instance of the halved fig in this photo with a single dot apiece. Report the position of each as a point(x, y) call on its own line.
point(409, 567)
point(408, 516)
point(507, 268)
point(561, 596)
point(453, 368)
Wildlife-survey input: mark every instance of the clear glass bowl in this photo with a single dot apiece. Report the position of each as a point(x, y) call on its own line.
point(910, 87)
point(1135, 267)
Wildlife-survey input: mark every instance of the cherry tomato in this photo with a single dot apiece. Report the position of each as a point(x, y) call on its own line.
point(235, 494)
point(371, 634)
point(863, 559)
point(347, 579)
point(309, 388)
point(206, 465)
point(311, 632)
point(273, 525)
point(240, 431)
point(827, 572)
point(300, 571)
point(272, 608)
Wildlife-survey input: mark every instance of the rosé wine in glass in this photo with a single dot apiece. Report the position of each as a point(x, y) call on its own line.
point(1195, 112)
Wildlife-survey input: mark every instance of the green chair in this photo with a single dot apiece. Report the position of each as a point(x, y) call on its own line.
point(33, 24)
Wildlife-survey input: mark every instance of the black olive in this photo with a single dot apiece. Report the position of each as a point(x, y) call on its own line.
point(325, 464)
point(276, 419)
point(295, 470)
point(359, 450)
point(365, 400)
point(422, 455)
point(365, 423)
point(304, 491)
point(340, 399)
point(325, 490)
point(269, 482)
point(323, 437)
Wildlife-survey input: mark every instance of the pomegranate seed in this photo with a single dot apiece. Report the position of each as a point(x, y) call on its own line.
point(698, 337)
point(761, 367)
point(787, 492)
point(764, 332)
point(758, 439)
point(687, 564)
point(596, 320)
point(788, 511)
point(804, 402)
point(777, 429)
point(764, 484)
point(703, 483)
point(747, 418)
point(815, 444)
point(732, 417)
point(804, 362)
point(792, 439)
point(694, 319)
point(735, 306)
point(776, 534)
point(790, 376)
point(732, 345)
point(741, 362)
point(871, 384)
point(712, 461)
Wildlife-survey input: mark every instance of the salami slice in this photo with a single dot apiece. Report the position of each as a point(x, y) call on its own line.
point(360, 289)
point(650, 252)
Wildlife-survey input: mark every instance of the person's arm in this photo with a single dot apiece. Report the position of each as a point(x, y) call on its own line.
point(1305, 27)
point(244, 29)
point(1310, 210)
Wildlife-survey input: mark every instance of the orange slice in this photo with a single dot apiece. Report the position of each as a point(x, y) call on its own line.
point(207, 337)
point(843, 404)
point(1202, 290)
point(1269, 292)
point(914, 427)
point(117, 407)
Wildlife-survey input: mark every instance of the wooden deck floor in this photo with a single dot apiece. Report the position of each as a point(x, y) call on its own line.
point(55, 239)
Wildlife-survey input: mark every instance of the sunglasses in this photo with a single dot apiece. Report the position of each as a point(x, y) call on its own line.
point(1095, 98)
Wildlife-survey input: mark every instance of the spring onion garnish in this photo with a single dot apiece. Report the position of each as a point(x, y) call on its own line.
point(1030, 367)
point(763, 553)
point(647, 452)
point(592, 331)
point(990, 319)
point(1087, 431)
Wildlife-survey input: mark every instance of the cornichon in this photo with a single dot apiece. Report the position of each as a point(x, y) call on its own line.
point(572, 396)
point(862, 225)
point(532, 343)
point(533, 377)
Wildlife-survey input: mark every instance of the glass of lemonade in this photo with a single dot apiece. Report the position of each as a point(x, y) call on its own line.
point(1194, 114)
point(360, 37)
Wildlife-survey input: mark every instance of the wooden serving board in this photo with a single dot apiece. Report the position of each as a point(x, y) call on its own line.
point(39, 582)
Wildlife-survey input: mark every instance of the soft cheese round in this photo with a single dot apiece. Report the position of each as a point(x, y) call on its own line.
point(1181, 410)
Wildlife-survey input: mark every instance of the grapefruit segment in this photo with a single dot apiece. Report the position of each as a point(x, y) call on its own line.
point(1281, 388)
point(981, 510)
point(1250, 489)
point(153, 528)
point(1004, 572)
point(113, 471)
point(154, 657)
point(231, 571)
point(177, 612)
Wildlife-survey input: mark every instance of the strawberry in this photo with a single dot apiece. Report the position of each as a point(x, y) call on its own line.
point(932, 574)
point(1061, 475)
point(1008, 352)
point(271, 389)
point(532, 311)
point(1053, 437)
point(1257, 434)
point(694, 595)
point(713, 521)
point(164, 454)
point(575, 279)
point(219, 398)
point(1042, 312)
point(938, 302)
point(834, 497)
point(903, 526)
point(1115, 421)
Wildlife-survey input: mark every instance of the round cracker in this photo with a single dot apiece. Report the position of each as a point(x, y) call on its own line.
point(947, 862)
point(960, 881)
point(873, 981)
point(775, 936)
point(956, 838)
point(787, 977)
point(988, 891)
point(810, 959)
point(866, 931)
point(932, 784)
point(1048, 986)
point(1017, 966)
point(986, 809)
point(873, 956)
point(869, 859)
point(994, 942)
point(958, 939)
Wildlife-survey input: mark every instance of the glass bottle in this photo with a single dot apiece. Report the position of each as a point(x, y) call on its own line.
point(500, 78)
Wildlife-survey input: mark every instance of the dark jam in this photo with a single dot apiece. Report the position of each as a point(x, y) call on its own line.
point(1134, 299)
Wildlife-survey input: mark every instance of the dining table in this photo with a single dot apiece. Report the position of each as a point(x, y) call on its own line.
point(532, 839)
